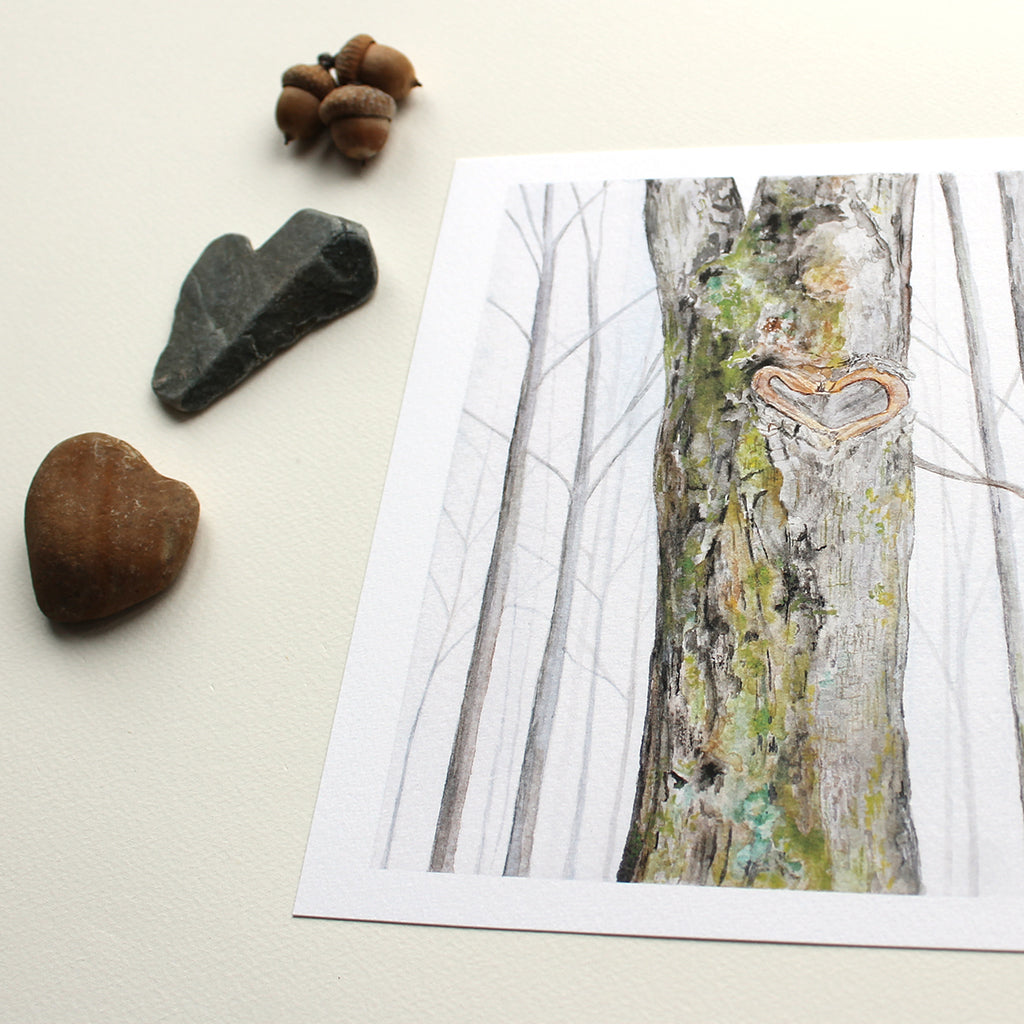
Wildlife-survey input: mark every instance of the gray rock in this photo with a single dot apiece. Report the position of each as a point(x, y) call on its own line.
point(239, 307)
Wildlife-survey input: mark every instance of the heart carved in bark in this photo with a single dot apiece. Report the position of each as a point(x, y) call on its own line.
point(875, 398)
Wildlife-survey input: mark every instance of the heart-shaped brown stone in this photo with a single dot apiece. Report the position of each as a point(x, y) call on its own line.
point(874, 398)
point(104, 529)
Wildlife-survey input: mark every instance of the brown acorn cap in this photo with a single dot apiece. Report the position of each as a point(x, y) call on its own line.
point(350, 56)
point(356, 101)
point(312, 77)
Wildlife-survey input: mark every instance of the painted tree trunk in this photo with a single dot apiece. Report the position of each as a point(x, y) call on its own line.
point(549, 678)
point(1010, 187)
point(460, 764)
point(1011, 198)
point(774, 752)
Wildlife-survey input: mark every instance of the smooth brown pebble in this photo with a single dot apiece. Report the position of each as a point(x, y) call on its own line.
point(104, 529)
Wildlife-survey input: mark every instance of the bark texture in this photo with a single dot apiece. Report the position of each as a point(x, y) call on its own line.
point(774, 752)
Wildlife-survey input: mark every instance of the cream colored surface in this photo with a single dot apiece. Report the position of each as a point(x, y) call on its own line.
point(158, 772)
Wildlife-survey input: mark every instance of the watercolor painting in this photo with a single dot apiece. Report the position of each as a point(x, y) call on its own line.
point(723, 591)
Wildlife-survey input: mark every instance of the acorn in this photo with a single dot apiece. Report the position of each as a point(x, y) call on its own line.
point(298, 106)
point(364, 60)
point(359, 117)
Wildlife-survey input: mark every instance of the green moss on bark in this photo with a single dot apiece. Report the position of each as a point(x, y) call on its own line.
point(733, 789)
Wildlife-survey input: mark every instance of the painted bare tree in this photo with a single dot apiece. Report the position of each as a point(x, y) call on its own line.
point(451, 599)
point(774, 751)
point(460, 765)
point(542, 241)
point(1011, 189)
point(549, 678)
point(704, 238)
point(1011, 197)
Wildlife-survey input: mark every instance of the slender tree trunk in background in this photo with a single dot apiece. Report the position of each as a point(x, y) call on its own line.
point(600, 568)
point(774, 751)
point(460, 765)
point(549, 678)
point(442, 652)
point(988, 427)
point(633, 697)
point(1011, 197)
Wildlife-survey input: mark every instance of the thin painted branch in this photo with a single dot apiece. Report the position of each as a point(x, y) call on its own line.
point(539, 237)
point(596, 328)
point(655, 372)
point(533, 455)
point(504, 312)
point(526, 242)
point(599, 477)
point(952, 474)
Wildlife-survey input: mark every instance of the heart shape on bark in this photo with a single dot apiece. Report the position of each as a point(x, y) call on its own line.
point(877, 396)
